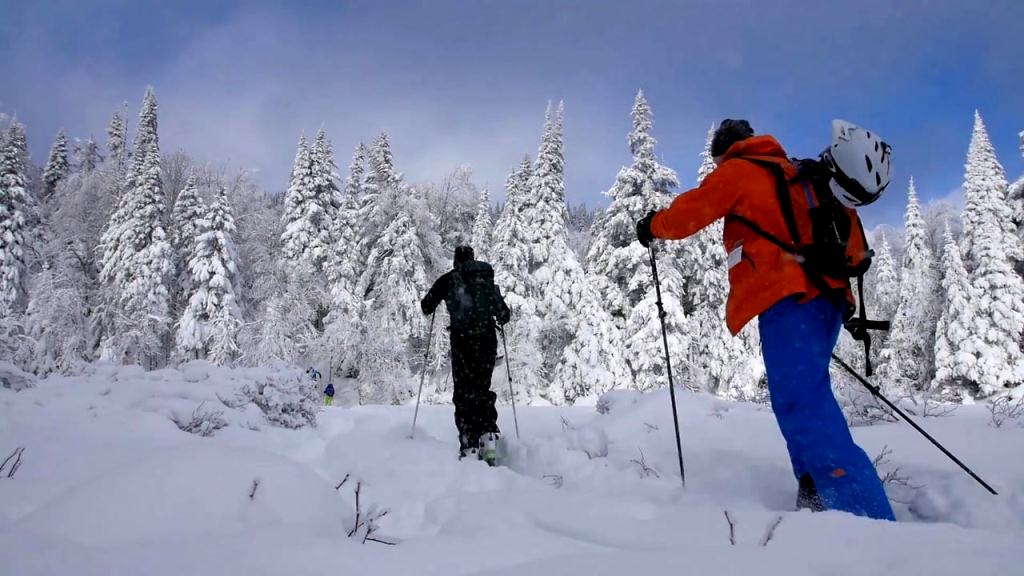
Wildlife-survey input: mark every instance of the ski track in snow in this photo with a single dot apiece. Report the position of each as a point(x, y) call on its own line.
point(110, 485)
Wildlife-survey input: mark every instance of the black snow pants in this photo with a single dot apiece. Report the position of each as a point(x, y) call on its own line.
point(473, 357)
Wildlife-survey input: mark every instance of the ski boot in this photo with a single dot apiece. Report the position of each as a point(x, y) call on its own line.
point(807, 496)
point(489, 448)
point(468, 448)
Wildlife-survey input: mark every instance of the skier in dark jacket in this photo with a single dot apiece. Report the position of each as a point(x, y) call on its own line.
point(474, 305)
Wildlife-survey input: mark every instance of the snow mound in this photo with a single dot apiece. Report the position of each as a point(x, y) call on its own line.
point(12, 378)
point(200, 489)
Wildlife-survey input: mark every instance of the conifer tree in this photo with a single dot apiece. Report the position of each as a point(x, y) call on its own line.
point(13, 201)
point(482, 228)
point(958, 346)
point(57, 166)
point(137, 257)
point(560, 288)
point(189, 210)
point(985, 195)
point(306, 215)
point(117, 141)
point(907, 361)
point(211, 320)
point(88, 156)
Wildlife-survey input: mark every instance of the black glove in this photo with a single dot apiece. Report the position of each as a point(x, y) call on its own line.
point(503, 317)
point(643, 229)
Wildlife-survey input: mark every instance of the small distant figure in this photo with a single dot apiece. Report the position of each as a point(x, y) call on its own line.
point(475, 306)
point(329, 395)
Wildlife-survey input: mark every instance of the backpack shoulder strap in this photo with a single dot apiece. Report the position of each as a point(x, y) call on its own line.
point(782, 191)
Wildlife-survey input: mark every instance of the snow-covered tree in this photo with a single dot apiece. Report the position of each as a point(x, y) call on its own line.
point(511, 253)
point(345, 236)
point(137, 257)
point(985, 195)
point(511, 259)
point(57, 166)
point(396, 276)
point(210, 322)
point(117, 141)
point(958, 345)
point(189, 209)
point(886, 288)
point(619, 264)
point(377, 205)
point(907, 360)
point(482, 228)
point(1016, 199)
point(88, 156)
point(13, 201)
point(307, 214)
point(570, 343)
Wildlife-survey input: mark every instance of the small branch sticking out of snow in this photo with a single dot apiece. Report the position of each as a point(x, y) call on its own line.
point(645, 470)
point(894, 478)
point(255, 485)
point(651, 427)
point(342, 483)
point(566, 425)
point(1002, 409)
point(770, 530)
point(732, 528)
point(16, 456)
point(365, 525)
point(556, 480)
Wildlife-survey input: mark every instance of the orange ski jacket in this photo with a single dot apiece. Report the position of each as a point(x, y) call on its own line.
point(760, 272)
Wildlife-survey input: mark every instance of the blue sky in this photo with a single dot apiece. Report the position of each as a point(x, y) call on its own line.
point(467, 82)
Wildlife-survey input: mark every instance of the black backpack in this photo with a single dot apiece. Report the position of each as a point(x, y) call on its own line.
point(471, 297)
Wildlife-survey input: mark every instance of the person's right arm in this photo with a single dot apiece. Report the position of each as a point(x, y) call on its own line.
point(694, 210)
point(435, 295)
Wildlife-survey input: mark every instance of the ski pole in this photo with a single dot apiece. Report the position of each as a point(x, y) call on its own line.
point(508, 370)
point(668, 363)
point(878, 394)
point(426, 358)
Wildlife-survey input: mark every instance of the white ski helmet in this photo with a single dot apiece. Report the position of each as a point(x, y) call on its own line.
point(859, 161)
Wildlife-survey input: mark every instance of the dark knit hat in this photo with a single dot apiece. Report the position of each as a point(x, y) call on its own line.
point(728, 133)
point(463, 254)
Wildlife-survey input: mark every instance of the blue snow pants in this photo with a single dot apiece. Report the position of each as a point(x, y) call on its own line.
point(797, 341)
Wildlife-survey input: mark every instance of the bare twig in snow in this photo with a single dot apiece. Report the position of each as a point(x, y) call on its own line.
point(366, 522)
point(342, 483)
point(894, 478)
point(13, 468)
point(566, 425)
point(645, 470)
point(1003, 408)
point(255, 485)
point(651, 427)
point(556, 480)
point(770, 530)
point(732, 528)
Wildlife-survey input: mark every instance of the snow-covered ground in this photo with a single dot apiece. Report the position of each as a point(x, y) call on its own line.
point(108, 484)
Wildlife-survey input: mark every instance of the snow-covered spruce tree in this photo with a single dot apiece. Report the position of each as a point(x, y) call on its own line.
point(117, 141)
point(210, 322)
point(284, 326)
point(88, 156)
point(341, 329)
point(378, 203)
point(482, 228)
point(307, 213)
point(906, 363)
point(581, 347)
point(1016, 199)
point(990, 248)
point(511, 260)
point(886, 286)
point(329, 195)
point(14, 199)
point(619, 264)
point(189, 209)
point(985, 195)
point(57, 166)
point(137, 257)
point(958, 346)
point(396, 276)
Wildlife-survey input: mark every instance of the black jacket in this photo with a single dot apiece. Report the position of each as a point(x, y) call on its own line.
point(474, 302)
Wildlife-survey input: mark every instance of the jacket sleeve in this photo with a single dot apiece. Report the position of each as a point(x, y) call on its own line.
point(698, 208)
point(501, 312)
point(435, 294)
point(857, 252)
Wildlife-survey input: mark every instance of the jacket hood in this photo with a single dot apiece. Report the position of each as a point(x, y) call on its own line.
point(763, 145)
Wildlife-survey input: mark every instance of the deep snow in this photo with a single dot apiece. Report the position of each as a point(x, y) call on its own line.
point(110, 485)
